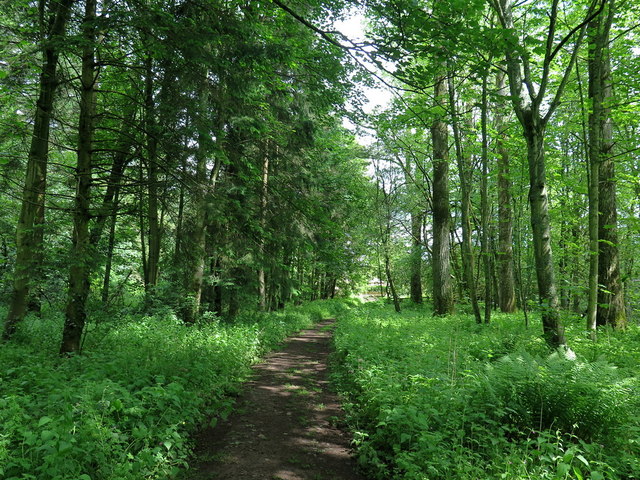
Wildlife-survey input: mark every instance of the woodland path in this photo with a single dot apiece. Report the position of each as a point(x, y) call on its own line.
point(285, 424)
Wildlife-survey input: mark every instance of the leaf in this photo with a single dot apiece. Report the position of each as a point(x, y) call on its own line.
point(577, 473)
point(563, 469)
point(583, 460)
point(44, 421)
point(64, 446)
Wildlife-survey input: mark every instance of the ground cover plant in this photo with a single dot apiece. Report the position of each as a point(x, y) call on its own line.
point(440, 398)
point(125, 408)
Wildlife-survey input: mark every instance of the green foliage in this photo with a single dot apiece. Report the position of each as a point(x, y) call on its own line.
point(431, 398)
point(125, 409)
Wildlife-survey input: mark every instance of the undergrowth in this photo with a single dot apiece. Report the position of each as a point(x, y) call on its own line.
point(444, 398)
point(126, 407)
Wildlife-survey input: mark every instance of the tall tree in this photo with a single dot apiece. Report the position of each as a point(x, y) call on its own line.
point(28, 231)
point(81, 261)
point(530, 97)
point(465, 174)
point(610, 301)
point(443, 300)
point(504, 256)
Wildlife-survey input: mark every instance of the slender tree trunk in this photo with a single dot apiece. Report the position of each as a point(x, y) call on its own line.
point(264, 193)
point(596, 117)
point(416, 257)
point(465, 174)
point(506, 278)
point(443, 301)
point(110, 248)
point(484, 207)
point(177, 253)
point(121, 160)
point(611, 308)
point(32, 209)
point(81, 260)
point(541, 227)
point(153, 254)
point(392, 287)
point(142, 225)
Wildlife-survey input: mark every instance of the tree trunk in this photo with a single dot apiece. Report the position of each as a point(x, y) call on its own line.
point(443, 302)
point(465, 174)
point(27, 240)
point(484, 207)
point(153, 254)
point(106, 283)
point(611, 308)
point(416, 257)
point(541, 226)
point(81, 259)
point(392, 287)
point(596, 124)
point(264, 192)
point(506, 286)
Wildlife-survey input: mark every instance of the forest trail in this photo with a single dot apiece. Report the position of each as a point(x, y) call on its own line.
point(285, 424)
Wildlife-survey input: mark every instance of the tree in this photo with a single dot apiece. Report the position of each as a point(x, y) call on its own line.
point(443, 300)
point(605, 263)
point(530, 96)
point(504, 255)
point(29, 228)
point(81, 261)
point(465, 174)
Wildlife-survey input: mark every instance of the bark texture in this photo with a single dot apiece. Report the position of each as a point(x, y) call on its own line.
point(504, 257)
point(611, 308)
point(541, 227)
point(443, 299)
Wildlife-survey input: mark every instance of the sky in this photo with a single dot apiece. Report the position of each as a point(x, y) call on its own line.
point(376, 97)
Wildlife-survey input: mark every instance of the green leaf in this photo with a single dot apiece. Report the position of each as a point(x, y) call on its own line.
point(44, 421)
point(583, 460)
point(64, 446)
point(563, 469)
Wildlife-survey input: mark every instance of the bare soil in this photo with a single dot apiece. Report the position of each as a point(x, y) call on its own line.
point(286, 426)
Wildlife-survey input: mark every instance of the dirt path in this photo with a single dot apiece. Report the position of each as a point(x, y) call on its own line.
point(285, 424)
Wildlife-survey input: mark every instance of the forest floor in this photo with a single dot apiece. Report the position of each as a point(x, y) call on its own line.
point(286, 424)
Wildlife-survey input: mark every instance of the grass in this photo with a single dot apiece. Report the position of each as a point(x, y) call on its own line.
point(441, 398)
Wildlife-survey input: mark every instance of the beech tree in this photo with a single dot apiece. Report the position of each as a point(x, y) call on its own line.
point(534, 101)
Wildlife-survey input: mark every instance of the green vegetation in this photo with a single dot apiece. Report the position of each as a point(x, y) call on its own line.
point(176, 174)
point(443, 398)
point(125, 408)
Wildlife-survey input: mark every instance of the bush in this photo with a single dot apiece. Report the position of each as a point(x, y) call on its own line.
point(441, 398)
point(126, 407)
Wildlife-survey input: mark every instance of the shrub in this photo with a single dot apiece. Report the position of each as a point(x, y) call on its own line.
point(126, 407)
point(441, 398)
